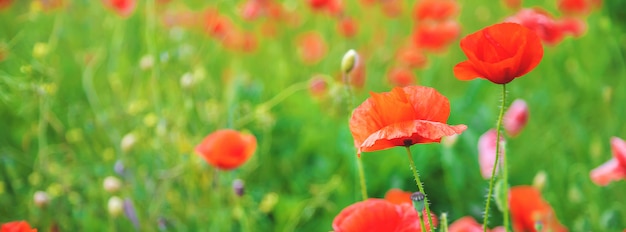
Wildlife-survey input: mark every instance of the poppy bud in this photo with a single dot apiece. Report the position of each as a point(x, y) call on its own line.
point(418, 202)
point(112, 184)
point(487, 152)
point(349, 61)
point(540, 180)
point(115, 206)
point(516, 117)
point(128, 141)
point(41, 199)
point(238, 187)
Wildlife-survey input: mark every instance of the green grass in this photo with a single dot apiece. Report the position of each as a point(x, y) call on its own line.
point(63, 120)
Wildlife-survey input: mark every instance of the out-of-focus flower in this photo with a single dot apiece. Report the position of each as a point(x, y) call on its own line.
point(487, 152)
point(392, 8)
point(512, 4)
point(411, 56)
point(397, 196)
point(123, 8)
point(549, 30)
point(318, 87)
point(227, 149)
point(311, 47)
point(402, 117)
point(347, 27)
point(436, 36)
point(615, 168)
point(131, 213)
point(111, 184)
point(128, 141)
point(41, 199)
point(119, 168)
point(529, 209)
point(378, 215)
point(358, 74)
point(5, 4)
point(17, 226)
point(400, 76)
point(539, 181)
point(436, 10)
point(499, 53)
point(238, 187)
point(115, 206)
point(516, 117)
point(465, 224)
point(578, 7)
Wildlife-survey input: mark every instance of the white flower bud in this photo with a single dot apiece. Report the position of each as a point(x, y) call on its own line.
point(349, 61)
point(41, 199)
point(116, 206)
point(112, 184)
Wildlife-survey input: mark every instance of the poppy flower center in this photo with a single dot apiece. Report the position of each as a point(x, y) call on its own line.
point(408, 142)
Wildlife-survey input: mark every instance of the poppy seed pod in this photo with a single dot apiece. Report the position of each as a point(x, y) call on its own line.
point(418, 200)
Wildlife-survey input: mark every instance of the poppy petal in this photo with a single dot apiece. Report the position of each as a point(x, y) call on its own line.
point(409, 133)
point(465, 71)
point(619, 150)
point(608, 172)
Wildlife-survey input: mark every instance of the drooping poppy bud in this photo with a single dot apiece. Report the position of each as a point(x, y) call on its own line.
point(516, 117)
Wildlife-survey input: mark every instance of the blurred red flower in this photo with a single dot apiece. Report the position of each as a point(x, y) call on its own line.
point(548, 29)
point(17, 226)
point(512, 4)
point(227, 149)
point(400, 76)
point(465, 224)
point(358, 74)
point(402, 117)
point(436, 10)
point(347, 27)
point(516, 117)
point(436, 36)
point(123, 8)
point(487, 153)
point(499, 53)
point(375, 215)
point(5, 3)
point(615, 168)
point(397, 196)
point(318, 87)
point(578, 7)
point(528, 208)
point(311, 47)
point(411, 56)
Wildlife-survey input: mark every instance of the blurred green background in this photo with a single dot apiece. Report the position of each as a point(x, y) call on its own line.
point(72, 87)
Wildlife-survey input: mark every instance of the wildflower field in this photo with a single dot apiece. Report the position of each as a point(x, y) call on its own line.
point(312, 115)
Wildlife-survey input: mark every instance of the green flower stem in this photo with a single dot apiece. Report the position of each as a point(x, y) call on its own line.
point(493, 171)
point(359, 162)
point(422, 226)
point(362, 178)
point(421, 189)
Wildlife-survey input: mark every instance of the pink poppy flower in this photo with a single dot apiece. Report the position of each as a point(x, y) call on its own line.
point(487, 152)
point(615, 168)
point(516, 117)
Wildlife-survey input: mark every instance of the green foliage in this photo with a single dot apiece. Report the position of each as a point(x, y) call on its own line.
point(71, 87)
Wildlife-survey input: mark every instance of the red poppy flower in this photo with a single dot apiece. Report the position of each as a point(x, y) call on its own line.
point(437, 10)
point(398, 197)
point(516, 117)
point(465, 224)
point(512, 4)
point(401, 77)
point(528, 208)
point(5, 3)
point(227, 149)
point(319, 4)
point(578, 7)
point(375, 215)
point(311, 47)
point(487, 152)
point(436, 36)
point(411, 56)
point(402, 117)
point(499, 53)
point(123, 8)
point(347, 27)
point(17, 226)
point(615, 168)
point(392, 8)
